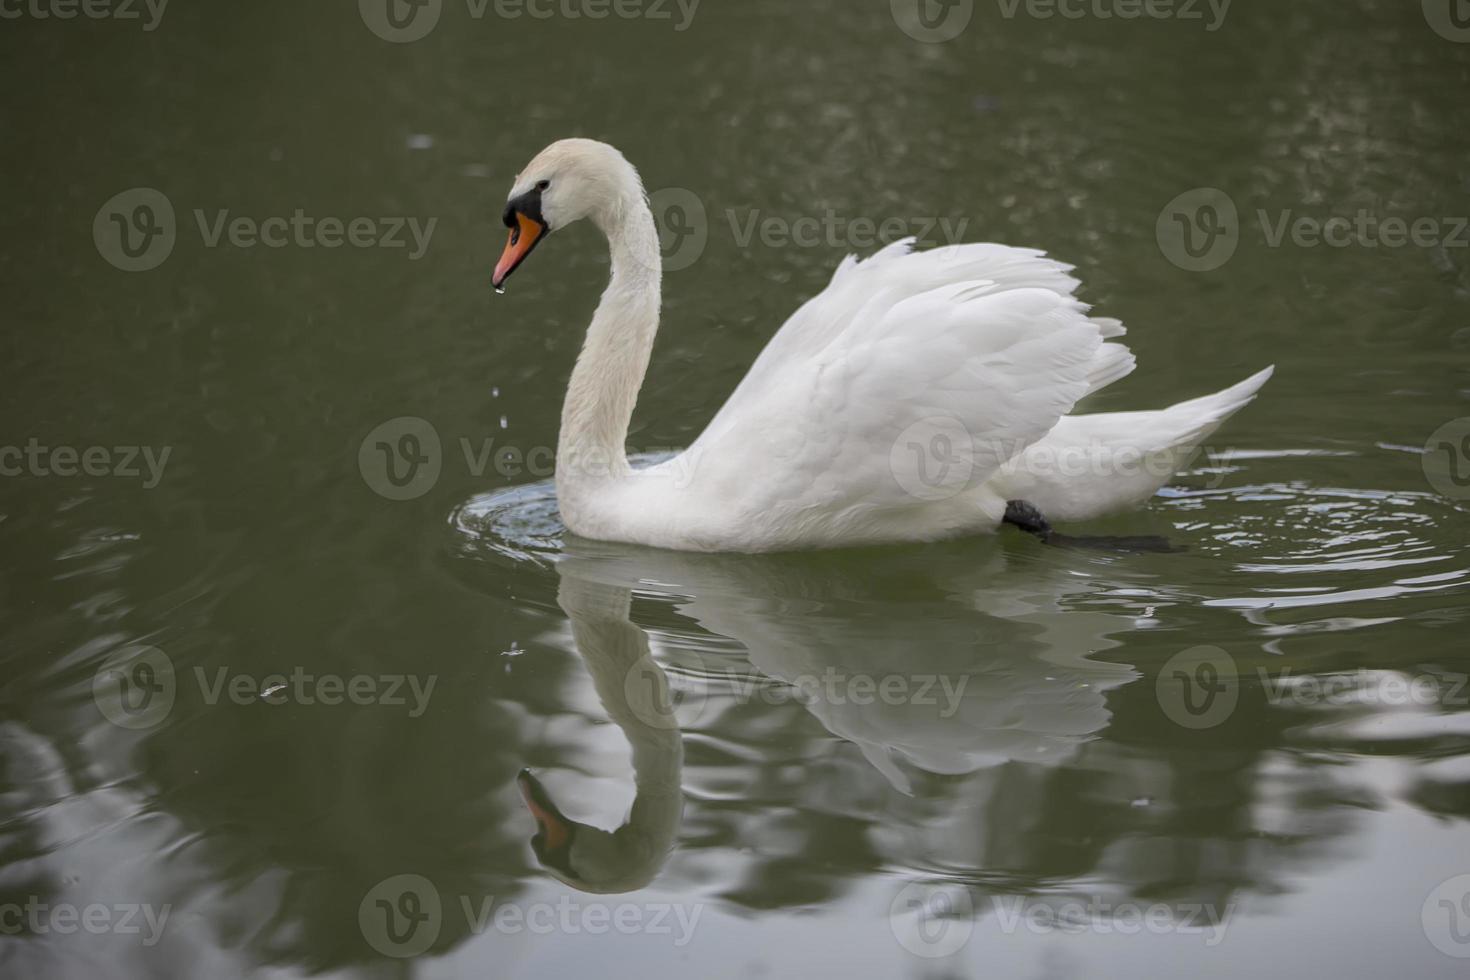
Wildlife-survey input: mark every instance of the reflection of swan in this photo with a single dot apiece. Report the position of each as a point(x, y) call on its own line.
point(1049, 794)
point(910, 401)
point(992, 672)
point(978, 689)
point(635, 692)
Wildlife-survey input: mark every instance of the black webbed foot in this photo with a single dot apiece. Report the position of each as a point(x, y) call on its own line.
point(1026, 517)
point(1029, 519)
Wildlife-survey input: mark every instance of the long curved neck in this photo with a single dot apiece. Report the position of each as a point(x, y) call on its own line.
point(634, 690)
point(614, 358)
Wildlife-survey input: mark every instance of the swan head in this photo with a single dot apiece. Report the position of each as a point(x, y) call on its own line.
point(570, 180)
point(589, 858)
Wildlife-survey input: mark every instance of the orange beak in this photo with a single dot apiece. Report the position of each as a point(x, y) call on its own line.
point(555, 829)
point(524, 236)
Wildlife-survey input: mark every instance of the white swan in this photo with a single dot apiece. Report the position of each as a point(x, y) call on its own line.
point(921, 395)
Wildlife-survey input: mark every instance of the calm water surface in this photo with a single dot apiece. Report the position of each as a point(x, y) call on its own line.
point(282, 717)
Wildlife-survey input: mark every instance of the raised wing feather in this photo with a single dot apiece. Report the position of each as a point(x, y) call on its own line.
point(982, 347)
point(887, 277)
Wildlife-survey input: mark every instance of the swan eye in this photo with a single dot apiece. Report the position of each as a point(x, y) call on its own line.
point(541, 185)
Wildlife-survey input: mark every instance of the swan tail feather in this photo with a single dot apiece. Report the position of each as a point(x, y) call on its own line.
point(1092, 465)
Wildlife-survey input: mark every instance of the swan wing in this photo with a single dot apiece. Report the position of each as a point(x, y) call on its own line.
point(907, 364)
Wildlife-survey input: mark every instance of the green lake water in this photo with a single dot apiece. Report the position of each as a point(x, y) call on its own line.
point(264, 702)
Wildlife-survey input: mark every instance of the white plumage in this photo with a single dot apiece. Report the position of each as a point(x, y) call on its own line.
point(908, 401)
